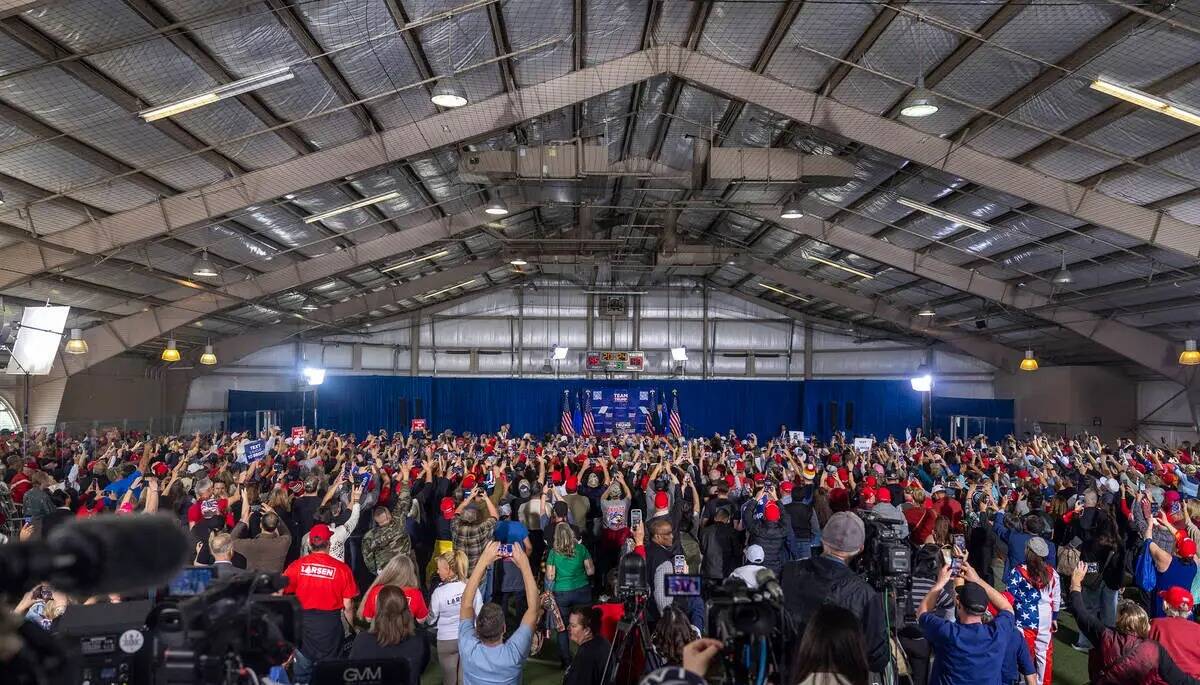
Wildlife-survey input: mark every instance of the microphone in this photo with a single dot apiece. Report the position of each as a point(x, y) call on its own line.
point(99, 555)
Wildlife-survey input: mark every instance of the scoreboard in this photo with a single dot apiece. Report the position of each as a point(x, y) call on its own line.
point(615, 360)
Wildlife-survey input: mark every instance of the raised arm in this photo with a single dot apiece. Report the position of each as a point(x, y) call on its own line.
point(467, 608)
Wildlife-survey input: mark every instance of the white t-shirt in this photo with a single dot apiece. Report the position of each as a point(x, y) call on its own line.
point(748, 573)
point(444, 605)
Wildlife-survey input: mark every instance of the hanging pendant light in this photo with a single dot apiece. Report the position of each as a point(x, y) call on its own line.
point(170, 353)
point(209, 358)
point(203, 266)
point(496, 208)
point(1029, 363)
point(791, 210)
point(1190, 356)
point(449, 92)
point(920, 102)
point(1063, 277)
point(77, 345)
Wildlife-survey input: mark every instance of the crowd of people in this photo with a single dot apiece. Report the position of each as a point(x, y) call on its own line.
point(916, 560)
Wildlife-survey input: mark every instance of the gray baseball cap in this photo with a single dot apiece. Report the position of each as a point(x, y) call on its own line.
point(844, 532)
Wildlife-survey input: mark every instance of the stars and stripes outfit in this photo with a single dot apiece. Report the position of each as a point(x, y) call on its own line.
point(1036, 610)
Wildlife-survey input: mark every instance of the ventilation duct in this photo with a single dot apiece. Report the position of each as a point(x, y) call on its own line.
point(778, 165)
point(570, 160)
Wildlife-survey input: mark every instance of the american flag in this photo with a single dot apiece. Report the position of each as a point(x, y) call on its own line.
point(651, 424)
point(676, 430)
point(567, 427)
point(589, 422)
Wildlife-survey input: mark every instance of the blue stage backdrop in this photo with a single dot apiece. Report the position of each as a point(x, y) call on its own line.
point(361, 404)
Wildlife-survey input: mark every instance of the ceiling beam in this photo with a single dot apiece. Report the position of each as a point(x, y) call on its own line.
point(203, 205)
point(372, 301)
point(863, 45)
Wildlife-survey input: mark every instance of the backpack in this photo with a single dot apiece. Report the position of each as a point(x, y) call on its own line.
point(691, 551)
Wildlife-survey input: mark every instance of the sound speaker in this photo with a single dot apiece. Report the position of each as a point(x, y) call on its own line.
point(833, 417)
point(849, 416)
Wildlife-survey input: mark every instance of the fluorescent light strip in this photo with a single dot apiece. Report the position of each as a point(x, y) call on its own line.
point(1144, 99)
point(226, 91)
point(783, 292)
point(446, 290)
point(418, 260)
point(836, 265)
point(365, 202)
point(943, 214)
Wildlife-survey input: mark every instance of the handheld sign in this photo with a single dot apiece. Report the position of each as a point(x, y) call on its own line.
point(255, 450)
point(419, 425)
point(863, 444)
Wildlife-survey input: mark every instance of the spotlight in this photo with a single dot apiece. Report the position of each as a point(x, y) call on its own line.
point(679, 354)
point(560, 353)
point(922, 380)
point(314, 375)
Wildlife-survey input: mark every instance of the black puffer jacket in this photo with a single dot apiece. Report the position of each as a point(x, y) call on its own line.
point(809, 583)
point(772, 537)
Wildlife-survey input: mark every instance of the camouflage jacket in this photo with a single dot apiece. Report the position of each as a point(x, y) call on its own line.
point(381, 543)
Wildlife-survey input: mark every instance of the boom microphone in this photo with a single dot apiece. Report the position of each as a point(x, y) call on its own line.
point(99, 555)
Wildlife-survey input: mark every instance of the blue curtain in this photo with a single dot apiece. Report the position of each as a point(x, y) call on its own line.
point(860, 408)
point(998, 415)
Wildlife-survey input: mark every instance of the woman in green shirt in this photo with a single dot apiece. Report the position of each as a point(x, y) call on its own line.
point(569, 568)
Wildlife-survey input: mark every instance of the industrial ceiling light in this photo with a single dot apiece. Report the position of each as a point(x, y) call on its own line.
point(1189, 356)
point(837, 265)
point(560, 353)
point(518, 262)
point(446, 290)
point(77, 345)
point(496, 208)
point(783, 292)
point(943, 214)
point(203, 266)
point(170, 353)
point(226, 91)
point(547, 367)
point(922, 380)
point(1144, 99)
point(1063, 277)
point(209, 358)
point(359, 204)
point(315, 375)
point(449, 92)
point(791, 210)
point(1030, 362)
point(679, 354)
point(308, 306)
point(927, 310)
point(920, 102)
point(418, 260)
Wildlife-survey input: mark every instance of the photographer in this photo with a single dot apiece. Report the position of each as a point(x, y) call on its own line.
point(969, 651)
point(810, 583)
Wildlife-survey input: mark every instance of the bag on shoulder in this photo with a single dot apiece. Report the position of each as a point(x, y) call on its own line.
point(1068, 559)
point(1145, 575)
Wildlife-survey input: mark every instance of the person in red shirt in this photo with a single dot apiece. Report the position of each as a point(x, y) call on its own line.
point(1176, 632)
point(326, 590)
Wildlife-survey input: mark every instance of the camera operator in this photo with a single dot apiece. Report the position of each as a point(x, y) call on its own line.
point(828, 579)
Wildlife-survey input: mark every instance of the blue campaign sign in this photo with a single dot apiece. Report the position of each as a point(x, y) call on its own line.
point(619, 410)
point(255, 450)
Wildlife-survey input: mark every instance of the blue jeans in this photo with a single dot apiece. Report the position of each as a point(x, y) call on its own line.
point(566, 600)
point(302, 669)
point(485, 587)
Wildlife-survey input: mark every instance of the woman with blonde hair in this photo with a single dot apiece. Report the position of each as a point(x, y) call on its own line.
point(400, 572)
point(568, 568)
point(444, 606)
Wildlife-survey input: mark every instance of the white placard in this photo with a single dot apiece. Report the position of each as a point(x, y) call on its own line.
point(796, 436)
point(863, 444)
point(37, 341)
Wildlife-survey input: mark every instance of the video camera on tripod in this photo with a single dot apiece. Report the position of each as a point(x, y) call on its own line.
point(886, 559)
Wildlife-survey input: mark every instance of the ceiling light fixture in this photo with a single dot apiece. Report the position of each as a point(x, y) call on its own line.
point(679, 354)
point(783, 292)
point(1144, 99)
point(308, 306)
point(943, 214)
point(1189, 356)
point(209, 358)
point(170, 353)
point(560, 353)
point(927, 310)
point(1030, 362)
point(226, 91)
point(77, 345)
point(922, 380)
point(315, 375)
point(449, 93)
point(365, 202)
point(496, 208)
point(791, 210)
point(203, 266)
point(836, 265)
point(446, 290)
point(920, 102)
point(418, 260)
point(1063, 277)
point(518, 262)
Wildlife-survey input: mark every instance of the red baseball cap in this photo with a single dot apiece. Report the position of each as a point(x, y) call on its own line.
point(760, 477)
point(786, 486)
point(572, 483)
point(160, 469)
point(771, 511)
point(883, 495)
point(1177, 598)
point(556, 477)
point(319, 534)
point(447, 507)
point(661, 501)
point(1187, 547)
point(468, 482)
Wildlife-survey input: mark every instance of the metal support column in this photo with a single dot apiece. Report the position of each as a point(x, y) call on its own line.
point(704, 347)
point(591, 327)
point(520, 346)
point(414, 345)
point(808, 350)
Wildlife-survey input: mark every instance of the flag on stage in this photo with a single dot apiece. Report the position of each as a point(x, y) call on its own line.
point(577, 418)
point(651, 424)
point(676, 428)
point(589, 421)
point(566, 426)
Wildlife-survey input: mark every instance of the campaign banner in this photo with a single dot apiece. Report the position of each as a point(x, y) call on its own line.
point(299, 431)
point(419, 425)
point(863, 444)
point(255, 450)
point(620, 410)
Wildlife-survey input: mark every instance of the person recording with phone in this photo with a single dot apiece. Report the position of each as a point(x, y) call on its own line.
point(969, 650)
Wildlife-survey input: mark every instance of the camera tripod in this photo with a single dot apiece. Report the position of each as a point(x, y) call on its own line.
point(632, 626)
